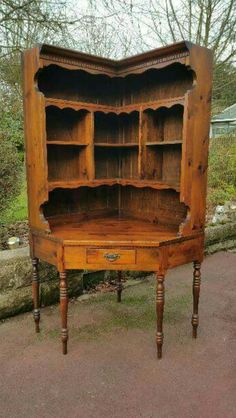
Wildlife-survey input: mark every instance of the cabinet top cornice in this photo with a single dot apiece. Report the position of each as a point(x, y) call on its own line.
point(158, 57)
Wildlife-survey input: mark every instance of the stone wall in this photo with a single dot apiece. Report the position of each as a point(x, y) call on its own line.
point(15, 282)
point(15, 274)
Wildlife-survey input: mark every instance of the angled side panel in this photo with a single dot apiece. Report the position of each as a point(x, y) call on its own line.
point(35, 143)
point(196, 140)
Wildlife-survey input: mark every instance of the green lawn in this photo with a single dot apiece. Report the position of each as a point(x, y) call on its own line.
point(17, 211)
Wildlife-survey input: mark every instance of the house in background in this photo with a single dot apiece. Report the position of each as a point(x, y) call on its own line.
point(224, 123)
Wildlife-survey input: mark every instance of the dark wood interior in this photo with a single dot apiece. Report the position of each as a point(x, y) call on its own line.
point(139, 145)
point(66, 125)
point(116, 129)
point(143, 203)
point(79, 85)
point(164, 125)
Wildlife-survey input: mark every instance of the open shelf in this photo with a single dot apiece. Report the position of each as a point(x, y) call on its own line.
point(113, 202)
point(75, 183)
point(116, 129)
point(163, 164)
point(163, 125)
point(67, 125)
point(52, 142)
point(78, 85)
point(116, 163)
point(107, 229)
point(66, 162)
point(163, 143)
point(104, 144)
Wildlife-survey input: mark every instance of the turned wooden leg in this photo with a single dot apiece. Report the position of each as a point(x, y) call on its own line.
point(119, 286)
point(64, 309)
point(35, 291)
point(160, 299)
point(196, 292)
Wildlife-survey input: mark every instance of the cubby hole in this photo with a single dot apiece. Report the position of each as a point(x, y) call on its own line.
point(163, 125)
point(112, 203)
point(163, 164)
point(113, 163)
point(66, 163)
point(116, 129)
point(85, 202)
point(67, 125)
point(153, 84)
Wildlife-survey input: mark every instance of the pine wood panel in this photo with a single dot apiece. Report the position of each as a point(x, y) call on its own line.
point(196, 139)
point(35, 141)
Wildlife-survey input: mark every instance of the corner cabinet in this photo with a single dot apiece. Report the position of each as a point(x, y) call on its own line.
point(117, 164)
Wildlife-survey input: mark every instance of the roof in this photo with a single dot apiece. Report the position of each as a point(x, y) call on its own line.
point(228, 115)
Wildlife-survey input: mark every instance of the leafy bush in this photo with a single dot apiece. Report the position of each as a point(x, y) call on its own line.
point(10, 172)
point(11, 120)
point(222, 170)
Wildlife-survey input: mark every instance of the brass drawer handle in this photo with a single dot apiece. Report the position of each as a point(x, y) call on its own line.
point(111, 257)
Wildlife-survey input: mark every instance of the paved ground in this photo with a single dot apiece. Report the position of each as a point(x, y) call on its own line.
point(111, 369)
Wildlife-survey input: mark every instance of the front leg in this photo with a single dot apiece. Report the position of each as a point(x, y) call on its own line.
point(35, 291)
point(63, 309)
point(160, 299)
point(119, 286)
point(196, 293)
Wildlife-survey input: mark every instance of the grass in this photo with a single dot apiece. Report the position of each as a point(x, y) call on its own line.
point(137, 311)
point(17, 211)
point(222, 170)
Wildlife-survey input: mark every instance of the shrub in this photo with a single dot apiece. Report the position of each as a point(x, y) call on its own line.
point(10, 172)
point(222, 170)
point(11, 121)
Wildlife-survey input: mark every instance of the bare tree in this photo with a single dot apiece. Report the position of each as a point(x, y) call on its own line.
point(210, 23)
point(23, 22)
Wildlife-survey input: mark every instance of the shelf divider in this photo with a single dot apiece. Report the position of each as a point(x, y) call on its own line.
point(90, 162)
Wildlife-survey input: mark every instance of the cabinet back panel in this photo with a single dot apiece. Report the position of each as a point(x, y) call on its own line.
point(159, 206)
point(116, 163)
point(173, 124)
point(82, 200)
point(163, 124)
point(117, 129)
point(171, 164)
point(153, 84)
point(66, 162)
point(152, 166)
point(66, 124)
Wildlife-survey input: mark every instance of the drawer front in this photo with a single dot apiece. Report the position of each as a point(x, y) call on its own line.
point(110, 256)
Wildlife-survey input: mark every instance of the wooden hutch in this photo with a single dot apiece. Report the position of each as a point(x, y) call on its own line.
point(117, 164)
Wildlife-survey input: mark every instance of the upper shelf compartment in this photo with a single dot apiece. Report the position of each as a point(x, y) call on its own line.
point(116, 129)
point(78, 85)
point(163, 125)
point(67, 126)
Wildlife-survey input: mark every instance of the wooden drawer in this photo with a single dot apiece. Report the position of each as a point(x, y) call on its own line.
point(110, 256)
